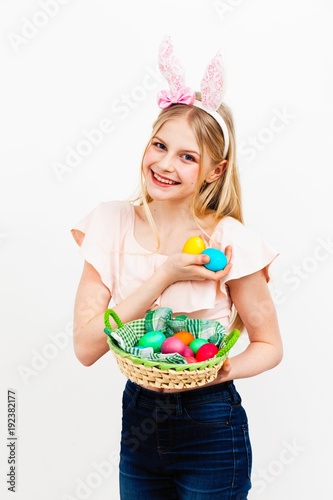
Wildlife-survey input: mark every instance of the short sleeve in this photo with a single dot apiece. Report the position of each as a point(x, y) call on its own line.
point(96, 234)
point(250, 252)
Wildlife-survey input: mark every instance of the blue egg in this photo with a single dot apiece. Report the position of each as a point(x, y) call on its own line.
point(218, 259)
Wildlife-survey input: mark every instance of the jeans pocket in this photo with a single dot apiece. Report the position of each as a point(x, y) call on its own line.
point(248, 449)
point(215, 412)
point(126, 401)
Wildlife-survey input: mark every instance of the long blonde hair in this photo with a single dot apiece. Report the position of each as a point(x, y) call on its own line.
point(220, 198)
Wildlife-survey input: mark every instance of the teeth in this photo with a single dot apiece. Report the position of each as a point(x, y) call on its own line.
point(164, 181)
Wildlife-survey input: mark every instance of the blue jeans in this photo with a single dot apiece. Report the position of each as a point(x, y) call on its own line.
point(190, 445)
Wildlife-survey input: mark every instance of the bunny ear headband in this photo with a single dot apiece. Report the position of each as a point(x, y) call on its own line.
point(211, 86)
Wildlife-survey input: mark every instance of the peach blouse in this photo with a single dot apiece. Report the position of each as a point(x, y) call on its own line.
point(106, 240)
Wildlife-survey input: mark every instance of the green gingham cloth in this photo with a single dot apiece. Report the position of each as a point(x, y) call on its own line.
point(128, 335)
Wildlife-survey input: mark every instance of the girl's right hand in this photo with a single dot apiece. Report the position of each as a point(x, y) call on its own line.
point(188, 267)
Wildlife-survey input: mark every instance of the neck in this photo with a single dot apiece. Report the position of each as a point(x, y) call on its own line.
point(171, 214)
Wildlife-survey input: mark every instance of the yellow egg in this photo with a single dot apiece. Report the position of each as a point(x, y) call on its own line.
point(194, 245)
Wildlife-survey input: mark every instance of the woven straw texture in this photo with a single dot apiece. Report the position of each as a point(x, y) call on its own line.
point(161, 374)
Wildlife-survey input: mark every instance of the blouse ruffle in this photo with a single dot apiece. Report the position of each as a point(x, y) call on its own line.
point(106, 240)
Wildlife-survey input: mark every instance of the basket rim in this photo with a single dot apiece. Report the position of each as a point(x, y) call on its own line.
point(163, 365)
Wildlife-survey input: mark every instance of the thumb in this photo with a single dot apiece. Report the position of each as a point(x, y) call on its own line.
point(226, 365)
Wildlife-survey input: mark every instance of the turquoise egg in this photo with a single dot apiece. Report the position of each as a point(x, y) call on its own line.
point(218, 259)
point(153, 339)
point(196, 344)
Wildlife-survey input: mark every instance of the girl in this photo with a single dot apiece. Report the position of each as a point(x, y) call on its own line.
point(181, 444)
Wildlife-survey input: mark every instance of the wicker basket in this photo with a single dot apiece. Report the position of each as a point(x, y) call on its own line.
point(160, 374)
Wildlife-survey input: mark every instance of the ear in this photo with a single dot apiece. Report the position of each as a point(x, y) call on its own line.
point(216, 172)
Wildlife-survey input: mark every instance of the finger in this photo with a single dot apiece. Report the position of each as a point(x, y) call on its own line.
point(228, 252)
point(225, 369)
point(226, 365)
point(218, 275)
point(200, 259)
point(197, 259)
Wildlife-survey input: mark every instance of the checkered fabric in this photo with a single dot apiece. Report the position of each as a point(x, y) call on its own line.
point(128, 335)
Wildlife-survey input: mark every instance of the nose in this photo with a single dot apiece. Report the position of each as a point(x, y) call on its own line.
point(167, 162)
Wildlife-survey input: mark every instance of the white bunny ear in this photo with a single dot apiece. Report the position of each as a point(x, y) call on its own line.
point(170, 66)
point(212, 84)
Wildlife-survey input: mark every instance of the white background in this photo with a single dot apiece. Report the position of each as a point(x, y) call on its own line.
point(64, 69)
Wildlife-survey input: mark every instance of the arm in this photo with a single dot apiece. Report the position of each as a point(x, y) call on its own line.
point(93, 297)
point(254, 304)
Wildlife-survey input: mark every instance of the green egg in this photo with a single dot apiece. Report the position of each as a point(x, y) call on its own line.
point(152, 339)
point(196, 344)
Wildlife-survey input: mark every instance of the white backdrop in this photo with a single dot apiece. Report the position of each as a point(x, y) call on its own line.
point(69, 67)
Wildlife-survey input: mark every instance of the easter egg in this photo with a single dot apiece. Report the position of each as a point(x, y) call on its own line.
point(188, 351)
point(186, 337)
point(172, 345)
point(190, 359)
point(196, 343)
point(153, 339)
point(218, 259)
point(194, 245)
point(206, 351)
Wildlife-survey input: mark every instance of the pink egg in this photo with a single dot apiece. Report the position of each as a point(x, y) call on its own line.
point(171, 345)
point(206, 351)
point(188, 351)
point(190, 359)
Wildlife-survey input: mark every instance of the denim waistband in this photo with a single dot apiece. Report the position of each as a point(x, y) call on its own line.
point(191, 395)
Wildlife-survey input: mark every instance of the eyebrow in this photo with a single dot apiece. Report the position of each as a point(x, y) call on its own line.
point(183, 149)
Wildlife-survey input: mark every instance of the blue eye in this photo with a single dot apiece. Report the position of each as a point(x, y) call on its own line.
point(159, 145)
point(188, 157)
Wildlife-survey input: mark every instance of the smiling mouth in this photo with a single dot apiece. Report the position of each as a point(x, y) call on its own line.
point(163, 180)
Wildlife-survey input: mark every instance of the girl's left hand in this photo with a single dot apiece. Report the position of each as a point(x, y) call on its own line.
point(220, 274)
point(225, 370)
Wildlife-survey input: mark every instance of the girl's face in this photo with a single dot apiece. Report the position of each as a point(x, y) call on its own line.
point(171, 162)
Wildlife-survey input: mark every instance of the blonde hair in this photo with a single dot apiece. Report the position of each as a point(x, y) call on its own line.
point(220, 198)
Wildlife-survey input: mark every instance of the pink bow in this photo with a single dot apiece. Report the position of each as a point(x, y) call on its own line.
point(184, 95)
